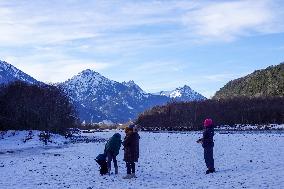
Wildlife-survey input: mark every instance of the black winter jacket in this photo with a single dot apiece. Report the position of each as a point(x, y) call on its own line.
point(207, 140)
point(131, 147)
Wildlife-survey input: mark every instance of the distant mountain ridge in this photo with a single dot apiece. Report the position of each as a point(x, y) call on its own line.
point(266, 82)
point(9, 73)
point(184, 93)
point(98, 98)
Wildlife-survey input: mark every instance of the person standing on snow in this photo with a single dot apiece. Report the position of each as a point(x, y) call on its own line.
point(208, 144)
point(112, 150)
point(131, 150)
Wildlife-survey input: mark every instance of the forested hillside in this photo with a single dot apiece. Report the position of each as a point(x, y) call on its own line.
point(267, 82)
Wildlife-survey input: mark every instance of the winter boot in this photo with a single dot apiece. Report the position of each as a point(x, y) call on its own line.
point(128, 176)
point(210, 171)
point(116, 170)
point(133, 175)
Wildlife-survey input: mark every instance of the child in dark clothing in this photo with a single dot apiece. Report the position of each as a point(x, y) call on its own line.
point(101, 160)
point(208, 144)
point(112, 150)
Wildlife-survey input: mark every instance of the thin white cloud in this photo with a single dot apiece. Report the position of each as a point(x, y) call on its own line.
point(158, 67)
point(55, 67)
point(229, 20)
point(222, 77)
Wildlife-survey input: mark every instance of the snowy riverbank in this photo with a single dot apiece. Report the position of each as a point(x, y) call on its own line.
point(168, 160)
point(21, 140)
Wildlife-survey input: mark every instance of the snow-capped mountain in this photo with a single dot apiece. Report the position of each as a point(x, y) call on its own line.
point(9, 73)
point(98, 98)
point(184, 93)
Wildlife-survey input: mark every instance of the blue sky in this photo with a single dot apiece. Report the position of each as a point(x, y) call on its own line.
point(160, 45)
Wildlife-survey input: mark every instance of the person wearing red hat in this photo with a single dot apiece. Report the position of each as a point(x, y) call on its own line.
point(208, 144)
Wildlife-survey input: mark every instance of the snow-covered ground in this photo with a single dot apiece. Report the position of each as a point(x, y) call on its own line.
point(249, 127)
point(168, 160)
point(14, 141)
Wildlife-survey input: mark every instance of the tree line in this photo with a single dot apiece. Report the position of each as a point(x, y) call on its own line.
point(43, 107)
point(190, 115)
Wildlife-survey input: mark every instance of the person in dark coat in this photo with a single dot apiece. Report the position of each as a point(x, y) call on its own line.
point(112, 150)
point(208, 144)
point(131, 150)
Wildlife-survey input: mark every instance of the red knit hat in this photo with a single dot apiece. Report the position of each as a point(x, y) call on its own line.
point(208, 122)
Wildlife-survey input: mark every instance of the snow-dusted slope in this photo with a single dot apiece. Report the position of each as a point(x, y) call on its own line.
point(98, 98)
point(184, 93)
point(9, 73)
point(87, 83)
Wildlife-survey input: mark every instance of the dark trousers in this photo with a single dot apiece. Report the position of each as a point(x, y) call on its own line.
point(208, 157)
point(130, 166)
point(111, 157)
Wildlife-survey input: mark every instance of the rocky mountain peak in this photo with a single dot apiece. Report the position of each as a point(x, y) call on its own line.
point(132, 84)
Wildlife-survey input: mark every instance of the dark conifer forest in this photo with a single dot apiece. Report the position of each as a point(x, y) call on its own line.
point(190, 115)
point(40, 107)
